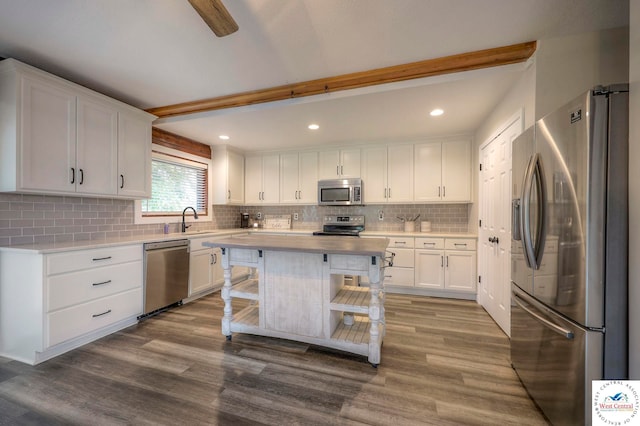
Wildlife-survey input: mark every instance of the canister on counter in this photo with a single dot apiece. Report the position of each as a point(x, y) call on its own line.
point(425, 226)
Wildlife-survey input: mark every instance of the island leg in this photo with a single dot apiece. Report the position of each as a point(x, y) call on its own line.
point(226, 295)
point(375, 313)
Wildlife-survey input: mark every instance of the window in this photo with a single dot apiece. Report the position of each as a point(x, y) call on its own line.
point(175, 184)
point(178, 180)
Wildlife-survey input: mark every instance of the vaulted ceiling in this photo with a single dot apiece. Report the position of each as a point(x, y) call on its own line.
point(152, 53)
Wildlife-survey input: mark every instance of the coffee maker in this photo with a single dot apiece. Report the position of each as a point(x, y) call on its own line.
point(244, 220)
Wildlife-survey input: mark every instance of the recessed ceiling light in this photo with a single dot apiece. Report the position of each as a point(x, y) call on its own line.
point(224, 137)
point(436, 112)
point(313, 126)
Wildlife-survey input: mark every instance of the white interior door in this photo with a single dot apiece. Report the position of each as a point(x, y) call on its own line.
point(495, 230)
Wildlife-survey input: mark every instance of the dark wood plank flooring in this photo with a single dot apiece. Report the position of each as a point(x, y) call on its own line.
point(444, 362)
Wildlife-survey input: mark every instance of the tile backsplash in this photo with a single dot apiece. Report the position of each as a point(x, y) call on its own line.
point(28, 219)
point(443, 217)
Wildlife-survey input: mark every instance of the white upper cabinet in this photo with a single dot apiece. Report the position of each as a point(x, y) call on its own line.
point(456, 171)
point(262, 179)
point(338, 164)
point(387, 174)
point(443, 171)
point(134, 156)
point(61, 138)
point(97, 147)
point(43, 141)
point(299, 178)
point(228, 176)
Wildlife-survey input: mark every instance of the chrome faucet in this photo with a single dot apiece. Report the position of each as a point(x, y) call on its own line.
point(195, 216)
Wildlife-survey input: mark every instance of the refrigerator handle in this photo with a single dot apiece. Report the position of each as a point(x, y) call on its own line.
point(515, 220)
point(525, 215)
point(554, 327)
point(541, 187)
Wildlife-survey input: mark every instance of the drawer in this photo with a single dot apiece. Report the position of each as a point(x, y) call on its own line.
point(398, 277)
point(77, 320)
point(345, 262)
point(69, 289)
point(85, 259)
point(430, 243)
point(460, 244)
point(243, 256)
point(404, 257)
point(401, 242)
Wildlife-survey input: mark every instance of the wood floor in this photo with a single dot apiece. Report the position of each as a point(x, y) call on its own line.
point(444, 362)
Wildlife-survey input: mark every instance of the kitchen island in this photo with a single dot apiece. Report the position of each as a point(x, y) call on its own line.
point(297, 290)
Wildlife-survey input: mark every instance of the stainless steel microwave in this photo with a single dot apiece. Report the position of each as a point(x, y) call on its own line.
point(340, 192)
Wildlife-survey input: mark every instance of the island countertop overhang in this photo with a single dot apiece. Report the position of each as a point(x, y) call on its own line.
point(310, 244)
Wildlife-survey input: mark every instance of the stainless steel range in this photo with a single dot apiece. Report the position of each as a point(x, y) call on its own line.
point(344, 226)
point(348, 226)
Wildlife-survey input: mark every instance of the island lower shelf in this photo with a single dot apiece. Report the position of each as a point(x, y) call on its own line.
point(299, 295)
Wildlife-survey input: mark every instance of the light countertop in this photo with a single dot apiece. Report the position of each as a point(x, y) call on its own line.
point(47, 248)
point(308, 244)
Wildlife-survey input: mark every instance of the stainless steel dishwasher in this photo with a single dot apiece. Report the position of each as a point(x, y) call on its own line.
point(166, 276)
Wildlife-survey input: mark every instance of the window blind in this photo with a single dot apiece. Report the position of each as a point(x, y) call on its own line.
point(175, 184)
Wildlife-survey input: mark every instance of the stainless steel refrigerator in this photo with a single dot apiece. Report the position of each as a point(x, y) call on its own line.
point(569, 310)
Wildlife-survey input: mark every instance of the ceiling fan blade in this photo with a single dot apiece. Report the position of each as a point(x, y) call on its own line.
point(216, 16)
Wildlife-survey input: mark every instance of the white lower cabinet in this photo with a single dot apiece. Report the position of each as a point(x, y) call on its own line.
point(52, 303)
point(446, 264)
point(205, 267)
point(402, 271)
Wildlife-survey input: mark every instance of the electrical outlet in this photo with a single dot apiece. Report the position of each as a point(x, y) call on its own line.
point(380, 215)
point(258, 215)
point(295, 216)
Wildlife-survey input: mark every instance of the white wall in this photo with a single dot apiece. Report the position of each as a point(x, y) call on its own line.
point(520, 96)
point(634, 192)
point(568, 66)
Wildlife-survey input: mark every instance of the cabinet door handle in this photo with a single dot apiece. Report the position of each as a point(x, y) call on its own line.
point(103, 313)
point(385, 193)
point(341, 170)
point(439, 189)
point(102, 283)
point(389, 192)
point(441, 261)
point(81, 176)
point(337, 170)
point(447, 261)
point(96, 259)
point(212, 261)
point(121, 181)
point(215, 258)
point(228, 194)
point(73, 175)
point(444, 191)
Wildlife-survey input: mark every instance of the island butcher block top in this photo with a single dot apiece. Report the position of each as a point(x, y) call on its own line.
point(309, 244)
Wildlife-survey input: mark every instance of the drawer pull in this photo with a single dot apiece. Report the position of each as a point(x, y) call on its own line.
point(465, 244)
point(99, 315)
point(429, 244)
point(95, 259)
point(102, 283)
point(400, 242)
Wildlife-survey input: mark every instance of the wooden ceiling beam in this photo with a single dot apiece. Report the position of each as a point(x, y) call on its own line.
point(428, 68)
